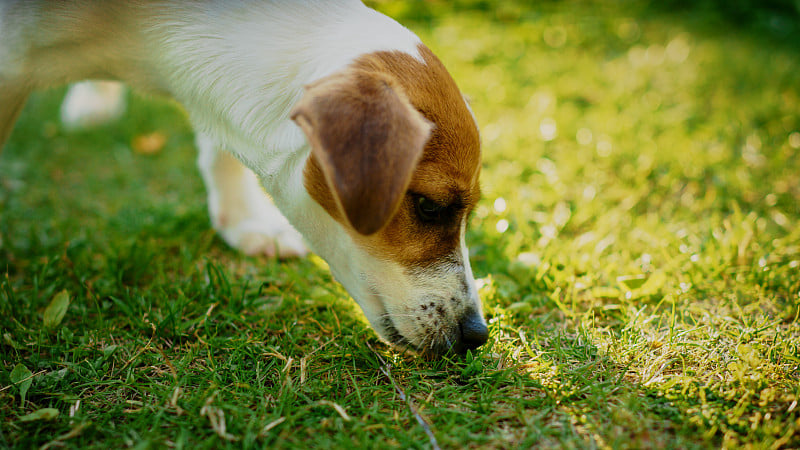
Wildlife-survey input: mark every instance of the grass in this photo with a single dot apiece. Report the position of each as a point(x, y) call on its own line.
point(637, 248)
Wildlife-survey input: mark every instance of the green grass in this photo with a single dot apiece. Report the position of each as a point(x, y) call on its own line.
point(637, 246)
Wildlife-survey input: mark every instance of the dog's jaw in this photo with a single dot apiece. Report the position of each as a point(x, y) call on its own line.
point(428, 308)
point(419, 309)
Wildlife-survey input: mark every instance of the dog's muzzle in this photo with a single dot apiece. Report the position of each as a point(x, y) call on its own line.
point(469, 333)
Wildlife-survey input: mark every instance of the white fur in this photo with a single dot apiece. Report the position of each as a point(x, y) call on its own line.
point(88, 104)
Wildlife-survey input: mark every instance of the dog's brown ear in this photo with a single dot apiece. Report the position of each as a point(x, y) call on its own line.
point(367, 139)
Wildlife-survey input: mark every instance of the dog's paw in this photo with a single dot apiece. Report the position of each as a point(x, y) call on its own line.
point(285, 245)
point(251, 238)
point(92, 103)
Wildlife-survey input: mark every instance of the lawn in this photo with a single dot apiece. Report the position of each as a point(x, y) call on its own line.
point(637, 250)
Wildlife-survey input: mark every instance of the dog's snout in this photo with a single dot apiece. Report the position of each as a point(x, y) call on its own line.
point(473, 331)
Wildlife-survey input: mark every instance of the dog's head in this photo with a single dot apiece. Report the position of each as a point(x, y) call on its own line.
point(395, 160)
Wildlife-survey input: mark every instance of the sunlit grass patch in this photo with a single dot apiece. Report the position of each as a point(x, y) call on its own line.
point(640, 177)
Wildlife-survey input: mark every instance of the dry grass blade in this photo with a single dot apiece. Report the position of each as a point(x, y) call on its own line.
point(386, 370)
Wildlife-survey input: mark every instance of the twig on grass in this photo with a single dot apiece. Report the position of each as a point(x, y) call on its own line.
point(24, 379)
point(386, 369)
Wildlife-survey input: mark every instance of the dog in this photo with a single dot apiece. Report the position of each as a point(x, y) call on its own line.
point(369, 152)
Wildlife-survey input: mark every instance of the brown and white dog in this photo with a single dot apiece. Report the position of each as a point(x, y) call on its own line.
point(351, 124)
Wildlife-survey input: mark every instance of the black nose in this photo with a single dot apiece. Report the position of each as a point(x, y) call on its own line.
point(473, 331)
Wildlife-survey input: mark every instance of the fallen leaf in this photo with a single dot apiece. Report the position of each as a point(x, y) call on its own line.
point(56, 310)
point(631, 282)
point(11, 342)
point(148, 144)
point(23, 378)
point(520, 308)
point(40, 414)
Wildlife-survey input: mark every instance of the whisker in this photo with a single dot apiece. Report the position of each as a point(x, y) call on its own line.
point(388, 314)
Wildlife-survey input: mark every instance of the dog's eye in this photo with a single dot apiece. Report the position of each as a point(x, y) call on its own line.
point(428, 210)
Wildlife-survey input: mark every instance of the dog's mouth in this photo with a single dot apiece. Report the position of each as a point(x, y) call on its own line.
point(455, 341)
point(430, 321)
point(392, 335)
point(396, 339)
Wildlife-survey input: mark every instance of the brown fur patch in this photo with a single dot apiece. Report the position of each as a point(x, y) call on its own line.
point(356, 121)
point(447, 172)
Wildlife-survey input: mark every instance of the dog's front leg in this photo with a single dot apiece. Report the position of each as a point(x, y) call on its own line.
point(240, 210)
point(12, 99)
